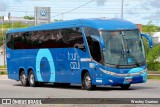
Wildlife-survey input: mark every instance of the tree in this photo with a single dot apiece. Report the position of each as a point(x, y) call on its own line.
point(153, 53)
point(1, 17)
point(150, 28)
point(29, 17)
point(7, 26)
point(1, 40)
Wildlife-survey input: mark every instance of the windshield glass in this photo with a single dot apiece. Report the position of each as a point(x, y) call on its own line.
point(123, 47)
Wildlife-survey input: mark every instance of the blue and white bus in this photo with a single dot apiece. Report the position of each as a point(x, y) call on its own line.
point(89, 52)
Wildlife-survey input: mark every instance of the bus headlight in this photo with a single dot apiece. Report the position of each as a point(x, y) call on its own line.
point(107, 72)
point(123, 75)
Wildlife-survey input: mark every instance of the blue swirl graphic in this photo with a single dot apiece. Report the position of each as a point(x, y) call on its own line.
point(45, 53)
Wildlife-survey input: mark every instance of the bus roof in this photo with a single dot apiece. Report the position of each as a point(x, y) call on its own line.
point(98, 23)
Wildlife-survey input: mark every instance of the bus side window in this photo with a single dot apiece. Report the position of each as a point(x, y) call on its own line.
point(93, 44)
point(78, 39)
point(18, 44)
point(72, 38)
point(94, 49)
point(27, 43)
point(10, 41)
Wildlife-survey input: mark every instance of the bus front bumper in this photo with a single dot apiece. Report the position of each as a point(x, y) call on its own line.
point(119, 79)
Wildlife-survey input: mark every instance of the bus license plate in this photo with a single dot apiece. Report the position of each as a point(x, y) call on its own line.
point(128, 80)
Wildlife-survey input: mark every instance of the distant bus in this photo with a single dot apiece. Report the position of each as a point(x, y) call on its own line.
point(89, 52)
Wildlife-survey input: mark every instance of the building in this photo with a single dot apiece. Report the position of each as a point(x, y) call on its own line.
point(156, 37)
point(17, 19)
point(139, 27)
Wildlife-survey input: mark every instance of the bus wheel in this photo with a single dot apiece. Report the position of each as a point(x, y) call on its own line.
point(86, 82)
point(31, 79)
point(125, 86)
point(23, 79)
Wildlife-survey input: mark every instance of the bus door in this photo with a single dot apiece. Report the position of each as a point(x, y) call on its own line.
point(95, 50)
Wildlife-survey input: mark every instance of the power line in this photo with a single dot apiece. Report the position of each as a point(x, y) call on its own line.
point(73, 9)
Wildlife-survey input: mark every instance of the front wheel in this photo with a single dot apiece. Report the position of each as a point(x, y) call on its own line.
point(86, 82)
point(125, 86)
point(31, 79)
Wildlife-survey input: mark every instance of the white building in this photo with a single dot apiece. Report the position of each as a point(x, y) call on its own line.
point(156, 37)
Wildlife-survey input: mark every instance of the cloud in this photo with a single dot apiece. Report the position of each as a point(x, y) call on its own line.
point(145, 5)
point(18, 1)
point(38, 0)
point(154, 3)
point(100, 2)
point(155, 16)
point(3, 6)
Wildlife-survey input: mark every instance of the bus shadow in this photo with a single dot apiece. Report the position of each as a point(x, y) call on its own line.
point(98, 88)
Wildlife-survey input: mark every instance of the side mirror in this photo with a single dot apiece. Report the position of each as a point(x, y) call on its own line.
point(102, 44)
point(149, 39)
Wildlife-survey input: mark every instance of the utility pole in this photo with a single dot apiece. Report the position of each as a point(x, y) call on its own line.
point(122, 9)
point(3, 45)
point(3, 40)
point(62, 16)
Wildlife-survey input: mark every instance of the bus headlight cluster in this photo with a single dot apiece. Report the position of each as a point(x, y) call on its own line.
point(123, 75)
point(143, 71)
point(107, 72)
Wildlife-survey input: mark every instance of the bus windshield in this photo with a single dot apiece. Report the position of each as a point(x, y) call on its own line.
point(123, 48)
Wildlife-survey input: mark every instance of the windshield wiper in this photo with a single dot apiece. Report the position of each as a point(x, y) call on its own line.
point(126, 53)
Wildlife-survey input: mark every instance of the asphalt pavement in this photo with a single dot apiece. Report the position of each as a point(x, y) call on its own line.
point(13, 89)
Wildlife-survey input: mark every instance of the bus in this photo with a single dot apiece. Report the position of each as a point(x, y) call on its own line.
point(89, 52)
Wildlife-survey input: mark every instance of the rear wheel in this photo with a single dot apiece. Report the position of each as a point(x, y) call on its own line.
point(23, 79)
point(125, 86)
point(86, 82)
point(31, 79)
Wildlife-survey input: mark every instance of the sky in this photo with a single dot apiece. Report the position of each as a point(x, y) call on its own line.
point(136, 11)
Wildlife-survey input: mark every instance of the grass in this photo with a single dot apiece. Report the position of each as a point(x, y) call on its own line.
point(3, 66)
point(3, 73)
point(154, 77)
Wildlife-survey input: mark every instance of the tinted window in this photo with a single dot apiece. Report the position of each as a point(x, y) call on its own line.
point(18, 43)
point(10, 41)
point(93, 44)
point(91, 31)
point(59, 38)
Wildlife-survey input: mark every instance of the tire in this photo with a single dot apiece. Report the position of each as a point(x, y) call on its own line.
point(125, 86)
point(86, 82)
point(23, 79)
point(31, 79)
